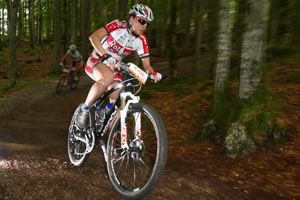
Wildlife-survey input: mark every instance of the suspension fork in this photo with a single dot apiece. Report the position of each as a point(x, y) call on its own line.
point(137, 128)
point(123, 114)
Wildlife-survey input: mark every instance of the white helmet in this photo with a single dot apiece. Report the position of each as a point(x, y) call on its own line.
point(72, 47)
point(141, 10)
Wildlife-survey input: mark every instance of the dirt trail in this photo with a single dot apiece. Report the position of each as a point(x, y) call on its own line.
point(34, 162)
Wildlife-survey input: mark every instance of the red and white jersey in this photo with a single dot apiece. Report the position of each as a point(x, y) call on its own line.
point(120, 43)
point(74, 54)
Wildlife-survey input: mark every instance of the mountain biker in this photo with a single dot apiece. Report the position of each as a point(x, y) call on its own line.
point(112, 43)
point(76, 59)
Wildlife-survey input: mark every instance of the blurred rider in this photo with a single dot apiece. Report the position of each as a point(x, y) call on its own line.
point(76, 60)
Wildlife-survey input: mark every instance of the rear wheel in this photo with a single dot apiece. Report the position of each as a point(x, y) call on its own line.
point(134, 172)
point(80, 142)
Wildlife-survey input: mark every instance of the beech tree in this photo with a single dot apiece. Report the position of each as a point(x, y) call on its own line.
point(252, 48)
point(224, 50)
point(57, 35)
point(12, 8)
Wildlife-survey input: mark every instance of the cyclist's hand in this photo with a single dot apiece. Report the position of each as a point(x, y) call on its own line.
point(156, 76)
point(61, 64)
point(109, 60)
point(118, 66)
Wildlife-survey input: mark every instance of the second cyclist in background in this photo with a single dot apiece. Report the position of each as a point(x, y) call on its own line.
point(74, 60)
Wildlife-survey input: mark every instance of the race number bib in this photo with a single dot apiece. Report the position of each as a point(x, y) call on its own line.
point(139, 73)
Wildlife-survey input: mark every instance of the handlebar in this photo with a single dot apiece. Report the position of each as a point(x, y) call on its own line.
point(125, 67)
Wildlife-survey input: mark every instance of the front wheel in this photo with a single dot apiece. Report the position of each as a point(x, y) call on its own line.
point(135, 171)
point(74, 82)
point(60, 83)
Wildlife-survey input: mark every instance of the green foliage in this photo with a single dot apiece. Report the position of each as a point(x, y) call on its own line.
point(293, 78)
point(4, 87)
point(227, 112)
point(26, 50)
point(205, 86)
point(4, 54)
point(255, 114)
point(257, 120)
point(182, 86)
point(284, 54)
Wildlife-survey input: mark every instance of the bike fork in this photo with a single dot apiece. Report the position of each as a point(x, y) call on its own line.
point(123, 115)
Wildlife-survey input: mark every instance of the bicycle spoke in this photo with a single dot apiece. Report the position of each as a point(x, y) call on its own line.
point(141, 160)
point(123, 157)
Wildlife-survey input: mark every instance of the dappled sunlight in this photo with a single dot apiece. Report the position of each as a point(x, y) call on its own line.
point(20, 147)
point(29, 164)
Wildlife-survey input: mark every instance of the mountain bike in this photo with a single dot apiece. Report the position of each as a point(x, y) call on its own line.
point(68, 78)
point(136, 149)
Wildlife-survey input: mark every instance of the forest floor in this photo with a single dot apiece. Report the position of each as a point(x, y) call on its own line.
point(34, 162)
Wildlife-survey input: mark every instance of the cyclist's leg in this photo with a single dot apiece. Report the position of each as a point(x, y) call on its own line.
point(78, 68)
point(65, 81)
point(113, 96)
point(103, 76)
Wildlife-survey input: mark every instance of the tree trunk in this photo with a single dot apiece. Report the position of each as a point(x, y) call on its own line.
point(31, 23)
point(1, 28)
point(239, 25)
point(25, 21)
point(12, 41)
point(3, 21)
point(74, 22)
point(273, 35)
point(252, 49)
point(198, 34)
point(213, 7)
point(57, 34)
point(85, 28)
point(187, 24)
point(172, 40)
point(20, 20)
point(65, 25)
point(224, 50)
point(48, 21)
point(295, 18)
point(164, 30)
point(212, 20)
point(40, 22)
point(158, 26)
point(123, 8)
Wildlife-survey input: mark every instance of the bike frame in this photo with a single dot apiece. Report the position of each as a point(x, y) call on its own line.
point(121, 104)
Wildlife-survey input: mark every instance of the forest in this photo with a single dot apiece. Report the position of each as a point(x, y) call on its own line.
point(232, 90)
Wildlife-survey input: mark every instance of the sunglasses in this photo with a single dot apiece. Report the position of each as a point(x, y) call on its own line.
point(143, 22)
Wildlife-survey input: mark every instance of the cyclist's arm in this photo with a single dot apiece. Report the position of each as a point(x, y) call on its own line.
point(63, 58)
point(146, 65)
point(95, 39)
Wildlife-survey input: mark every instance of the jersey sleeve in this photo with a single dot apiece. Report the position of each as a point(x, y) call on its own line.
point(68, 52)
point(78, 55)
point(112, 26)
point(143, 48)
